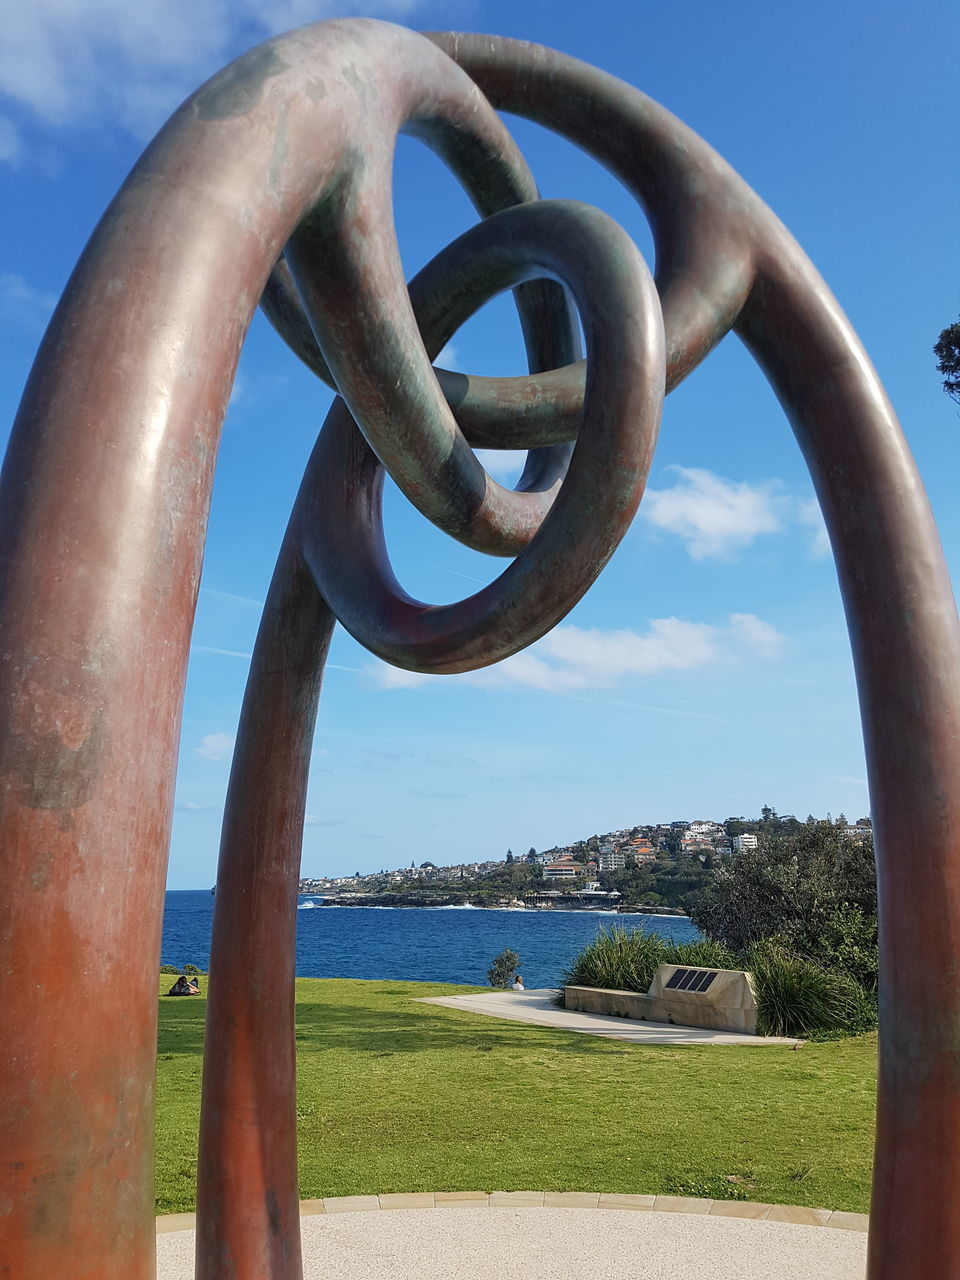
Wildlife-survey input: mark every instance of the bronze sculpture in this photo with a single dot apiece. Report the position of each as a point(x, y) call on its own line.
point(273, 181)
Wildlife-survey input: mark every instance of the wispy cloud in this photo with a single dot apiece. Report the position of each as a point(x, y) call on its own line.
point(224, 653)
point(189, 806)
point(386, 676)
point(215, 746)
point(229, 595)
point(432, 564)
point(78, 60)
point(717, 517)
point(20, 303)
point(713, 516)
point(11, 147)
point(571, 658)
point(810, 515)
point(448, 358)
point(239, 392)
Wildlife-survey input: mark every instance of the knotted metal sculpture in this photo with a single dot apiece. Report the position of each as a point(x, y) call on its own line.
point(272, 181)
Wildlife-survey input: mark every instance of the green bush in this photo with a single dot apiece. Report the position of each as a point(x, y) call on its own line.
point(627, 961)
point(795, 997)
point(798, 998)
point(848, 942)
point(169, 968)
point(618, 959)
point(796, 886)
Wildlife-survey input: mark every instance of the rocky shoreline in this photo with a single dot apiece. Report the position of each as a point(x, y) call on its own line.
point(530, 902)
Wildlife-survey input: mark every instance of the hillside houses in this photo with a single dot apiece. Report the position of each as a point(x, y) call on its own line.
point(577, 865)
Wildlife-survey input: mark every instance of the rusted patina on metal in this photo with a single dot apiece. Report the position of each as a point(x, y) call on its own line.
point(274, 180)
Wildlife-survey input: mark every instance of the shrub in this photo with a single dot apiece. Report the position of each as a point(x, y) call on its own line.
point(190, 968)
point(618, 959)
point(627, 961)
point(795, 997)
point(500, 974)
point(169, 968)
point(848, 942)
point(703, 954)
point(798, 998)
point(791, 886)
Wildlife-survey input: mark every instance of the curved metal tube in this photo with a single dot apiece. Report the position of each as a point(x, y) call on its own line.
point(103, 504)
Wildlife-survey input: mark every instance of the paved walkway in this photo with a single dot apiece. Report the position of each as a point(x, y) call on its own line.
point(537, 1007)
point(532, 1235)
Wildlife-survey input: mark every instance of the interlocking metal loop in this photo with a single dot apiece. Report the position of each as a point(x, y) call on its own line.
point(273, 180)
point(343, 537)
point(724, 262)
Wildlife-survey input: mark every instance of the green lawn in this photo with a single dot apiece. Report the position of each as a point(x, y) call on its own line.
point(399, 1096)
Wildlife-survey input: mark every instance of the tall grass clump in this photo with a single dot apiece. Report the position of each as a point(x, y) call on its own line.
point(798, 998)
point(618, 959)
point(795, 997)
point(627, 960)
point(705, 953)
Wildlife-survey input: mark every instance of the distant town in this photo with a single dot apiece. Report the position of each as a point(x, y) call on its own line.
point(646, 868)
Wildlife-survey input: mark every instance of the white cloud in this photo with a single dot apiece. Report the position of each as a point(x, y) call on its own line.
point(757, 636)
point(448, 358)
point(809, 514)
point(23, 305)
point(11, 148)
point(714, 516)
point(229, 595)
point(224, 653)
point(571, 658)
point(388, 677)
point(239, 392)
point(215, 746)
point(69, 60)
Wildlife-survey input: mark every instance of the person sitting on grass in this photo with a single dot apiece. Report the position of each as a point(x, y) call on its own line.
point(184, 987)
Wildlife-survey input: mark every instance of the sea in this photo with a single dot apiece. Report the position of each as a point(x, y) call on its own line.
point(416, 944)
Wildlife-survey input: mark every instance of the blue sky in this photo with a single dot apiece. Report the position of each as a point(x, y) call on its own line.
point(708, 672)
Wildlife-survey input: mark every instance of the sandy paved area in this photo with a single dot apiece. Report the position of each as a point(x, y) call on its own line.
point(555, 1244)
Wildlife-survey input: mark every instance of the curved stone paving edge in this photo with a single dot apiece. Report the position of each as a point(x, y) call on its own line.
point(800, 1214)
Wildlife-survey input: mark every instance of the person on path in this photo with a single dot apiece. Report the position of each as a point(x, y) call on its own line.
point(518, 983)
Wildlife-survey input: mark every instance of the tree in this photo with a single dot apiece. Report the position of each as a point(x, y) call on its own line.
point(427, 866)
point(531, 852)
point(947, 351)
point(509, 856)
point(812, 889)
point(500, 974)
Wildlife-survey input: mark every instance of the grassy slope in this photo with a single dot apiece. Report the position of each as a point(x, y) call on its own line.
point(399, 1096)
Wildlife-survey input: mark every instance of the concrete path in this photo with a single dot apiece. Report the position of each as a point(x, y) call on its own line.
point(537, 1007)
point(529, 1243)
